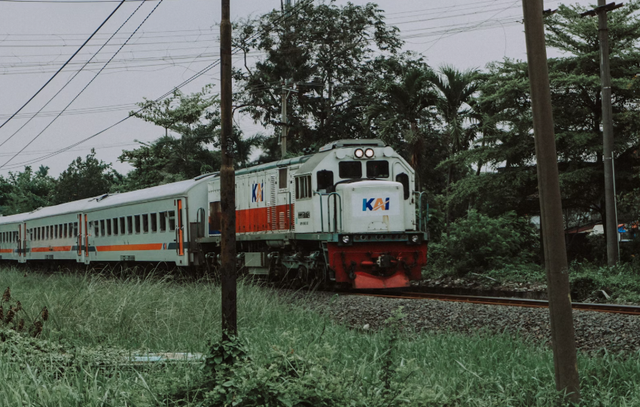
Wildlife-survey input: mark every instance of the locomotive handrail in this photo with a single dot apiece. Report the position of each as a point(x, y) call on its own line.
point(420, 216)
point(329, 212)
point(291, 217)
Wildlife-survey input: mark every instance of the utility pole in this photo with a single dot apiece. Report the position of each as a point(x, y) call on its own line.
point(561, 318)
point(286, 91)
point(227, 184)
point(611, 216)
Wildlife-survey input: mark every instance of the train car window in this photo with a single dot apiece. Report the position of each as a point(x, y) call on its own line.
point(282, 178)
point(71, 234)
point(137, 223)
point(56, 232)
point(172, 220)
point(163, 221)
point(123, 228)
point(65, 230)
point(60, 231)
point(154, 222)
point(404, 180)
point(96, 226)
point(129, 225)
point(145, 223)
point(350, 169)
point(377, 169)
point(114, 225)
point(75, 229)
point(103, 229)
point(324, 180)
point(108, 221)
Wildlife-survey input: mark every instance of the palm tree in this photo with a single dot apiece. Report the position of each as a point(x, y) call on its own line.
point(456, 90)
point(402, 108)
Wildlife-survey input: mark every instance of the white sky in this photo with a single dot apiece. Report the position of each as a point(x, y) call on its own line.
point(178, 40)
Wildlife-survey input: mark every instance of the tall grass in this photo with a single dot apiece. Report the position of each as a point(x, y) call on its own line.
point(95, 321)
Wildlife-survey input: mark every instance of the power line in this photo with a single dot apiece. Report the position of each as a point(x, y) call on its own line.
point(62, 67)
point(166, 94)
point(65, 85)
point(85, 87)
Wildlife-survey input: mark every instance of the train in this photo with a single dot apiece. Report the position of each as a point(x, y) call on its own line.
point(347, 214)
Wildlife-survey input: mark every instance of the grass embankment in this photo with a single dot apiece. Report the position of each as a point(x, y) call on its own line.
point(293, 354)
point(621, 283)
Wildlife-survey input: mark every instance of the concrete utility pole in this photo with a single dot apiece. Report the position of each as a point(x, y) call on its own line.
point(227, 184)
point(611, 216)
point(286, 91)
point(562, 332)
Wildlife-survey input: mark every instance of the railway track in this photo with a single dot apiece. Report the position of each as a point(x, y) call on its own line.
point(513, 302)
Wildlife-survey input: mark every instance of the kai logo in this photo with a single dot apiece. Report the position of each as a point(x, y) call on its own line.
point(257, 193)
point(375, 204)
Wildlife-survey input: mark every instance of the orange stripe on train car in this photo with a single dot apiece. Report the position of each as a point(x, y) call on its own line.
point(129, 247)
point(6, 250)
point(51, 249)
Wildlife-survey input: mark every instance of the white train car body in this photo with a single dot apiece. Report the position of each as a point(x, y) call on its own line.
point(152, 224)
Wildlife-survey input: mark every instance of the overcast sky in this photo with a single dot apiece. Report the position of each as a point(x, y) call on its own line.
point(176, 41)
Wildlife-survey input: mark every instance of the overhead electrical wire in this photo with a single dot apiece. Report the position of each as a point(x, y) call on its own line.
point(166, 94)
point(86, 86)
point(62, 67)
point(64, 87)
point(435, 31)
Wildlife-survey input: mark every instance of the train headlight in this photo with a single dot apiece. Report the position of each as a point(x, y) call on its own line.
point(358, 153)
point(415, 239)
point(369, 153)
point(345, 240)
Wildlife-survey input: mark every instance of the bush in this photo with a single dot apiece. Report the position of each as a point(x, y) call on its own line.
point(477, 243)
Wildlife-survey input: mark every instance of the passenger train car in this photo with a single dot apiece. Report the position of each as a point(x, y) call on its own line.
point(346, 214)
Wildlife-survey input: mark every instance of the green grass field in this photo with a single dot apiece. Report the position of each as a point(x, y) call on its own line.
point(294, 357)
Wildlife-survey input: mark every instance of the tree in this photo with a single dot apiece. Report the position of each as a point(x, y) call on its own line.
point(456, 90)
point(194, 151)
point(327, 51)
point(403, 109)
point(578, 107)
point(28, 190)
point(84, 179)
point(507, 144)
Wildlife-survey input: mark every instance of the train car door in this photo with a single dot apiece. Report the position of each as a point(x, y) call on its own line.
point(25, 245)
point(83, 239)
point(180, 230)
point(20, 254)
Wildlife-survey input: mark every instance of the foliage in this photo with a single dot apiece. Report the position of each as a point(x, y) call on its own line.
point(195, 119)
point(327, 51)
point(477, 243)
point(27, 190)
point(403, 110)
point(577, 102)
point(84, 179)
point(14, 317)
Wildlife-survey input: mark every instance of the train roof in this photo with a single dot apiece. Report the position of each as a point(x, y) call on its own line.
point(173, 189)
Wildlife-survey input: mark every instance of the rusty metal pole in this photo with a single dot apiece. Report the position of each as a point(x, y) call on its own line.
point(562, 332)
point(227, 184)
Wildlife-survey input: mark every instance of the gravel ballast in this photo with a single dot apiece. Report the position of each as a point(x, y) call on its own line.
point(595, 331)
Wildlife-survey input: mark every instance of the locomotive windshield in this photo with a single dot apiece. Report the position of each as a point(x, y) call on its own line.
point(377, 169)
point(350, 169)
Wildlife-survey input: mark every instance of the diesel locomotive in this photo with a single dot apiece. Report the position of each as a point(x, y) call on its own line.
point(345, 215)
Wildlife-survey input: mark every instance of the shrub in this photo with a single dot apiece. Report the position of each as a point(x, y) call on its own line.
point(477, 243)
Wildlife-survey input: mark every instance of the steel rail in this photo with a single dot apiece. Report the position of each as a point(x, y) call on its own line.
point(513, 302)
